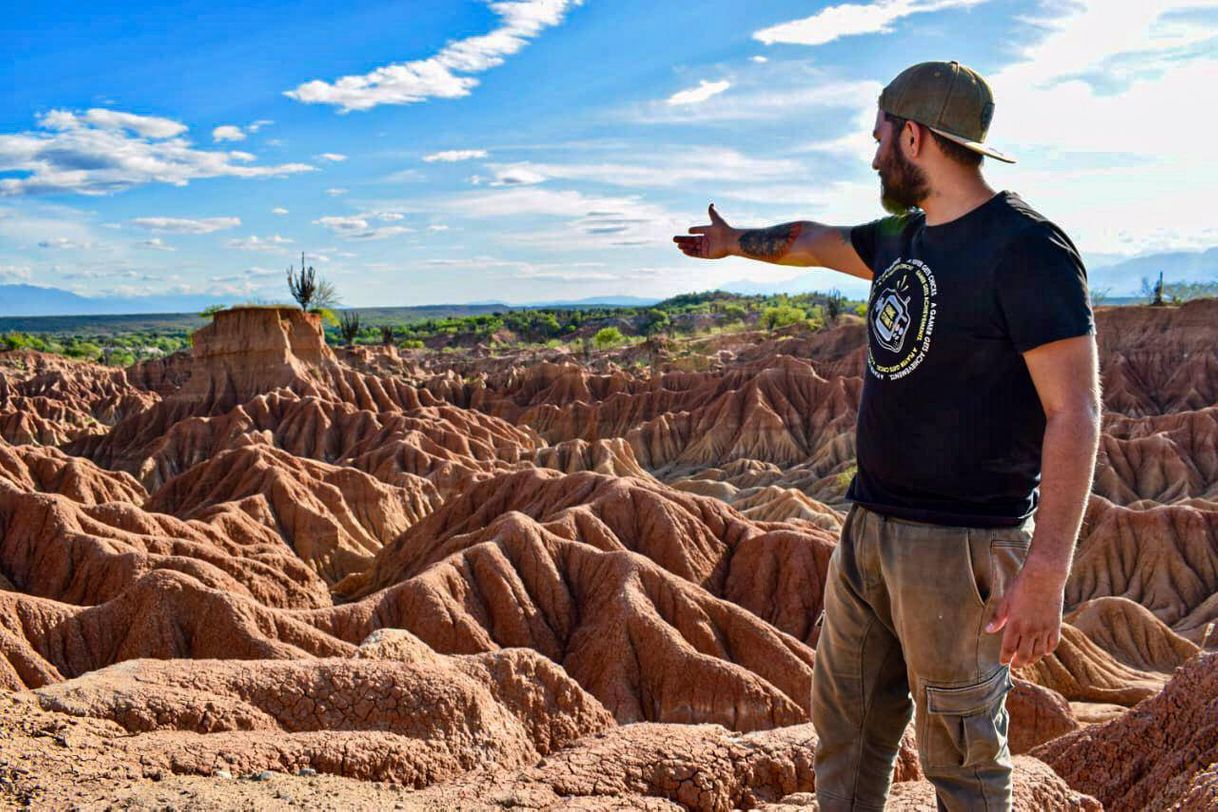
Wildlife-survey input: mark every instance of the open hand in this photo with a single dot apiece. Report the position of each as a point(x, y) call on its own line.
point(714, 241)
point(1029, 616)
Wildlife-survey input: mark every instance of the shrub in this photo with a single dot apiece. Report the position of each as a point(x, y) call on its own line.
point(774, 318)
point(608, 337)
point(310, 292)
point(349, 326)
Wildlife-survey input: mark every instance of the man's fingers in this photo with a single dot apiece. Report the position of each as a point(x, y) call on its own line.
point(714, 215)
point(1010, 645)
point(1040, 647)
point(700, 229)
point(1023, 656)
point(999, 619)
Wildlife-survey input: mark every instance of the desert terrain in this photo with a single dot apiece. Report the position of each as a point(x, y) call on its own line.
point(268, 574)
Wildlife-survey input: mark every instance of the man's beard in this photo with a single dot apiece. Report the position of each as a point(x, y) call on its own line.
point(902, 185)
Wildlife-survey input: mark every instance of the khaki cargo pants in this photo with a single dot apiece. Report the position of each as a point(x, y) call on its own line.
point(906, 605)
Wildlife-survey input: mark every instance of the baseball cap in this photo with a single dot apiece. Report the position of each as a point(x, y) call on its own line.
point(949, 98)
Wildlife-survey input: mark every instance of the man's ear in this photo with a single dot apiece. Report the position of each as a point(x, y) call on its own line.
point(914, 135)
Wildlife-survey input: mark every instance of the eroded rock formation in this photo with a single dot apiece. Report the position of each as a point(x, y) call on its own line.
point(504, 579)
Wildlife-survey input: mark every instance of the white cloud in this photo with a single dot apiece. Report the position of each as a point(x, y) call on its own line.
point(517, 175)
point(453, 155)
point(280, 210)
point(271, 245)
point(37, 222)
point(259, 124)
point(440, 76)
point(182, 225)
point(145, 126)
point(104, 151)
point(157, 244)
point(588, 218)
point(701, 93)
point(760, 60)
point(403, 176)
point(660, 167)
point(227, 132)
point(16, 273)
point(358, 227)
point(64, 243)
point(768, 96)
point(437, 227)
point(1092, 108)
point(336, 191)
point(333, 157)
point(852, 19)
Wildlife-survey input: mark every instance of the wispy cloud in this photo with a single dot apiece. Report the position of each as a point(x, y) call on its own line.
point(446, 74)
point(271, 245)
point(701, 93)
point(104, 151)
point(360, 227)
point(280, 210)
point(661, 167)
point(16, 273)
point(453, 155)
point(852, 19)
point(332, 157)
point(183, 225)
point(64, 243)
point(514, 175)
point(764, 93)
point(605, 219)
point(156, 244)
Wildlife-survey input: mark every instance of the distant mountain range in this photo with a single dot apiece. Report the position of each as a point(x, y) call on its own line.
point(32, 300)
point(1119, 277)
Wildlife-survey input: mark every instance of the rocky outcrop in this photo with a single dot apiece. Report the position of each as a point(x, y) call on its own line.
point(1162, 752)
point(1163, 558)
point(48, 400)
point(334, 518)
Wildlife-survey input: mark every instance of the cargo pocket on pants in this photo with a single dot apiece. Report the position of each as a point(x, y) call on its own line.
point(967, 725)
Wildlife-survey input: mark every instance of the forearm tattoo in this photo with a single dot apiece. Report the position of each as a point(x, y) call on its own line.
point(770, 243)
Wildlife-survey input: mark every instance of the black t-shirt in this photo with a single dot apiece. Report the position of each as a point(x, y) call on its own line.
point(950, 425)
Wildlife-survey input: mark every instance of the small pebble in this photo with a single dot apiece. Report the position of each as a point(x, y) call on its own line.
point(307, 772)
point(222, 774)
point(265, 775)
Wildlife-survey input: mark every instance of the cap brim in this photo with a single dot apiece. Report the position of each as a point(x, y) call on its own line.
point(975, 146)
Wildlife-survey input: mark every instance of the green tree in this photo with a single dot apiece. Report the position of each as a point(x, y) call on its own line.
point(783, 315)
point(655, 322)
point(212, 310)
point(607, 337)
point(732, 313)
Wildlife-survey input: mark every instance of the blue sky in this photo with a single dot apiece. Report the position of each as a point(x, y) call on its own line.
point(424, 152)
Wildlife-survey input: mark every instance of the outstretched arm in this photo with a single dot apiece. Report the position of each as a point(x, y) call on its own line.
point(803, 244)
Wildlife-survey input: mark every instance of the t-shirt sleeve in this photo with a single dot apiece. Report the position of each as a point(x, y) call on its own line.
point(1042, 288)
point(866, 238)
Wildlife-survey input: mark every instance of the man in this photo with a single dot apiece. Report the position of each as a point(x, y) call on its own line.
point(980, 407)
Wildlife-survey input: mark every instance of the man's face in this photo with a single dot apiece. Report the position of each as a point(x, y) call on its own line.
point(902, 184)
